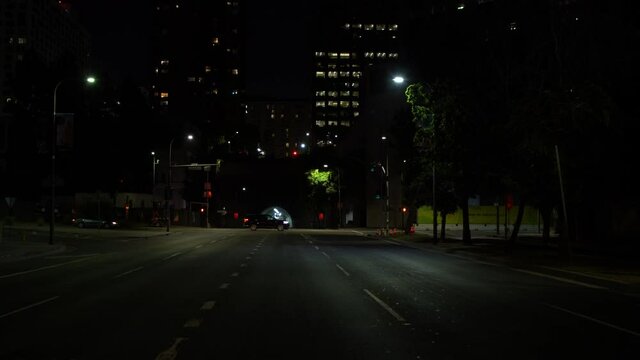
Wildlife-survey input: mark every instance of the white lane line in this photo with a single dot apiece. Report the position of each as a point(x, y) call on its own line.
point(386, 307)
point(235, 274)
point(208, 305)
point(560, 279)
point(224, 286)
point(594, 320)
point(248, 257)
point(128, 272)
point(243, 265)
point(28, 307)
point(43, 268)
point(325, 254)
point(343, 270)
point(317, 248)
point(213, 241)
point(171, 256)
point(70, 256)
point(193, 323)
point(198, 246)
point(583, 274)
point(172, 352)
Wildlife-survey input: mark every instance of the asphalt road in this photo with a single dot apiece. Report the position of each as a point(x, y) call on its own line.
point(303, 294)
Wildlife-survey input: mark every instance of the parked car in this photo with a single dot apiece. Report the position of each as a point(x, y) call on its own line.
point(94, 223)
point(255, 221)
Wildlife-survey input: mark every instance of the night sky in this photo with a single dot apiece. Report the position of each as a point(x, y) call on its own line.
point(277, 42)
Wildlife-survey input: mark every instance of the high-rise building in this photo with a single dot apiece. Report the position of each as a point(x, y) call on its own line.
point(41, 42)
point(344, 66)
point(199, 65)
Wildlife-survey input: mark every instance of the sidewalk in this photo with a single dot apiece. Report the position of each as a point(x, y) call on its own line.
point(585, 265)
point(28, 240)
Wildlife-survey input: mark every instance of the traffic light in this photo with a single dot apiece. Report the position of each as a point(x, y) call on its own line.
point(294, 154)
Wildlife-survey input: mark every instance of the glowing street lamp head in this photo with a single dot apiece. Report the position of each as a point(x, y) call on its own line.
point(189, 137)
point(398, 79)
point(91, 79)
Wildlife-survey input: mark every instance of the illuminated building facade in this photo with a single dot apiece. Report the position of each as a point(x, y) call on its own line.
point(199, 71)
point(342, 73)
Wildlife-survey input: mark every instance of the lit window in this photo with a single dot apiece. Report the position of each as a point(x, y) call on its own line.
point(332, 66)
point(355, 85)
point(357, 26)
point(320, 54)
point(320, 123)
point(215, 41)
point(332, 103)
point(344, 74)
point(164, 94)
point(234, 92)
point(332, 74)
point(333, 55)
point(344, 104)
point(347, 26)
point(320, 93)
point(164, 62)
point(346, 123)
point(460, 6)
point(345, 93)
point(345, 55)
point(369, 54)
point(320, 104)
point(381, 55)
point(357, 74)
point(234, 71)
point(368, 27)
point(320, 74)
point(191, 79)
point(355, 104)
point(332, 123)
point(513, 26)
point(207, 69)
point(393, 55)
point(381, 27)
point(22, 40)
point(393, 27)
point(356, 93)
point(356, 113)
point(164, 103)
point(332, 93)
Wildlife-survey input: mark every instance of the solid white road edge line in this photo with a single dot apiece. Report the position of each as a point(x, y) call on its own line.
point(128, 272)
point(594, 320)
point(28, 307)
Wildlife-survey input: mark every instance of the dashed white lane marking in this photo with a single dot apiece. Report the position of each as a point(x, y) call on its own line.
point(43, 268)
point(172, 352)
point(29, 307)
point(70, 256)
point(248, 257)
point(172, 256)
point(386, 307)
point(198, 246)
point(193, 323)
point(235, 274)
point(560, 279)
point(325, 255)
point(224, 286)
point(594, 320)
point(243, 265)
point(128, 272)
point(343, 270)
point(213, 241)
point(317, 248)
point(208, 305)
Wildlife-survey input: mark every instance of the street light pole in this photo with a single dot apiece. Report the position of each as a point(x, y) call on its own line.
point(386, 173)
point(169, 192)
point(169, 196)
point(52, 209)
point(52, 212)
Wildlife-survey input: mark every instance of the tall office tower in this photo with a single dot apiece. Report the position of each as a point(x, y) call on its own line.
point(345, 64)
point(199, 68)
point(40, 42)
